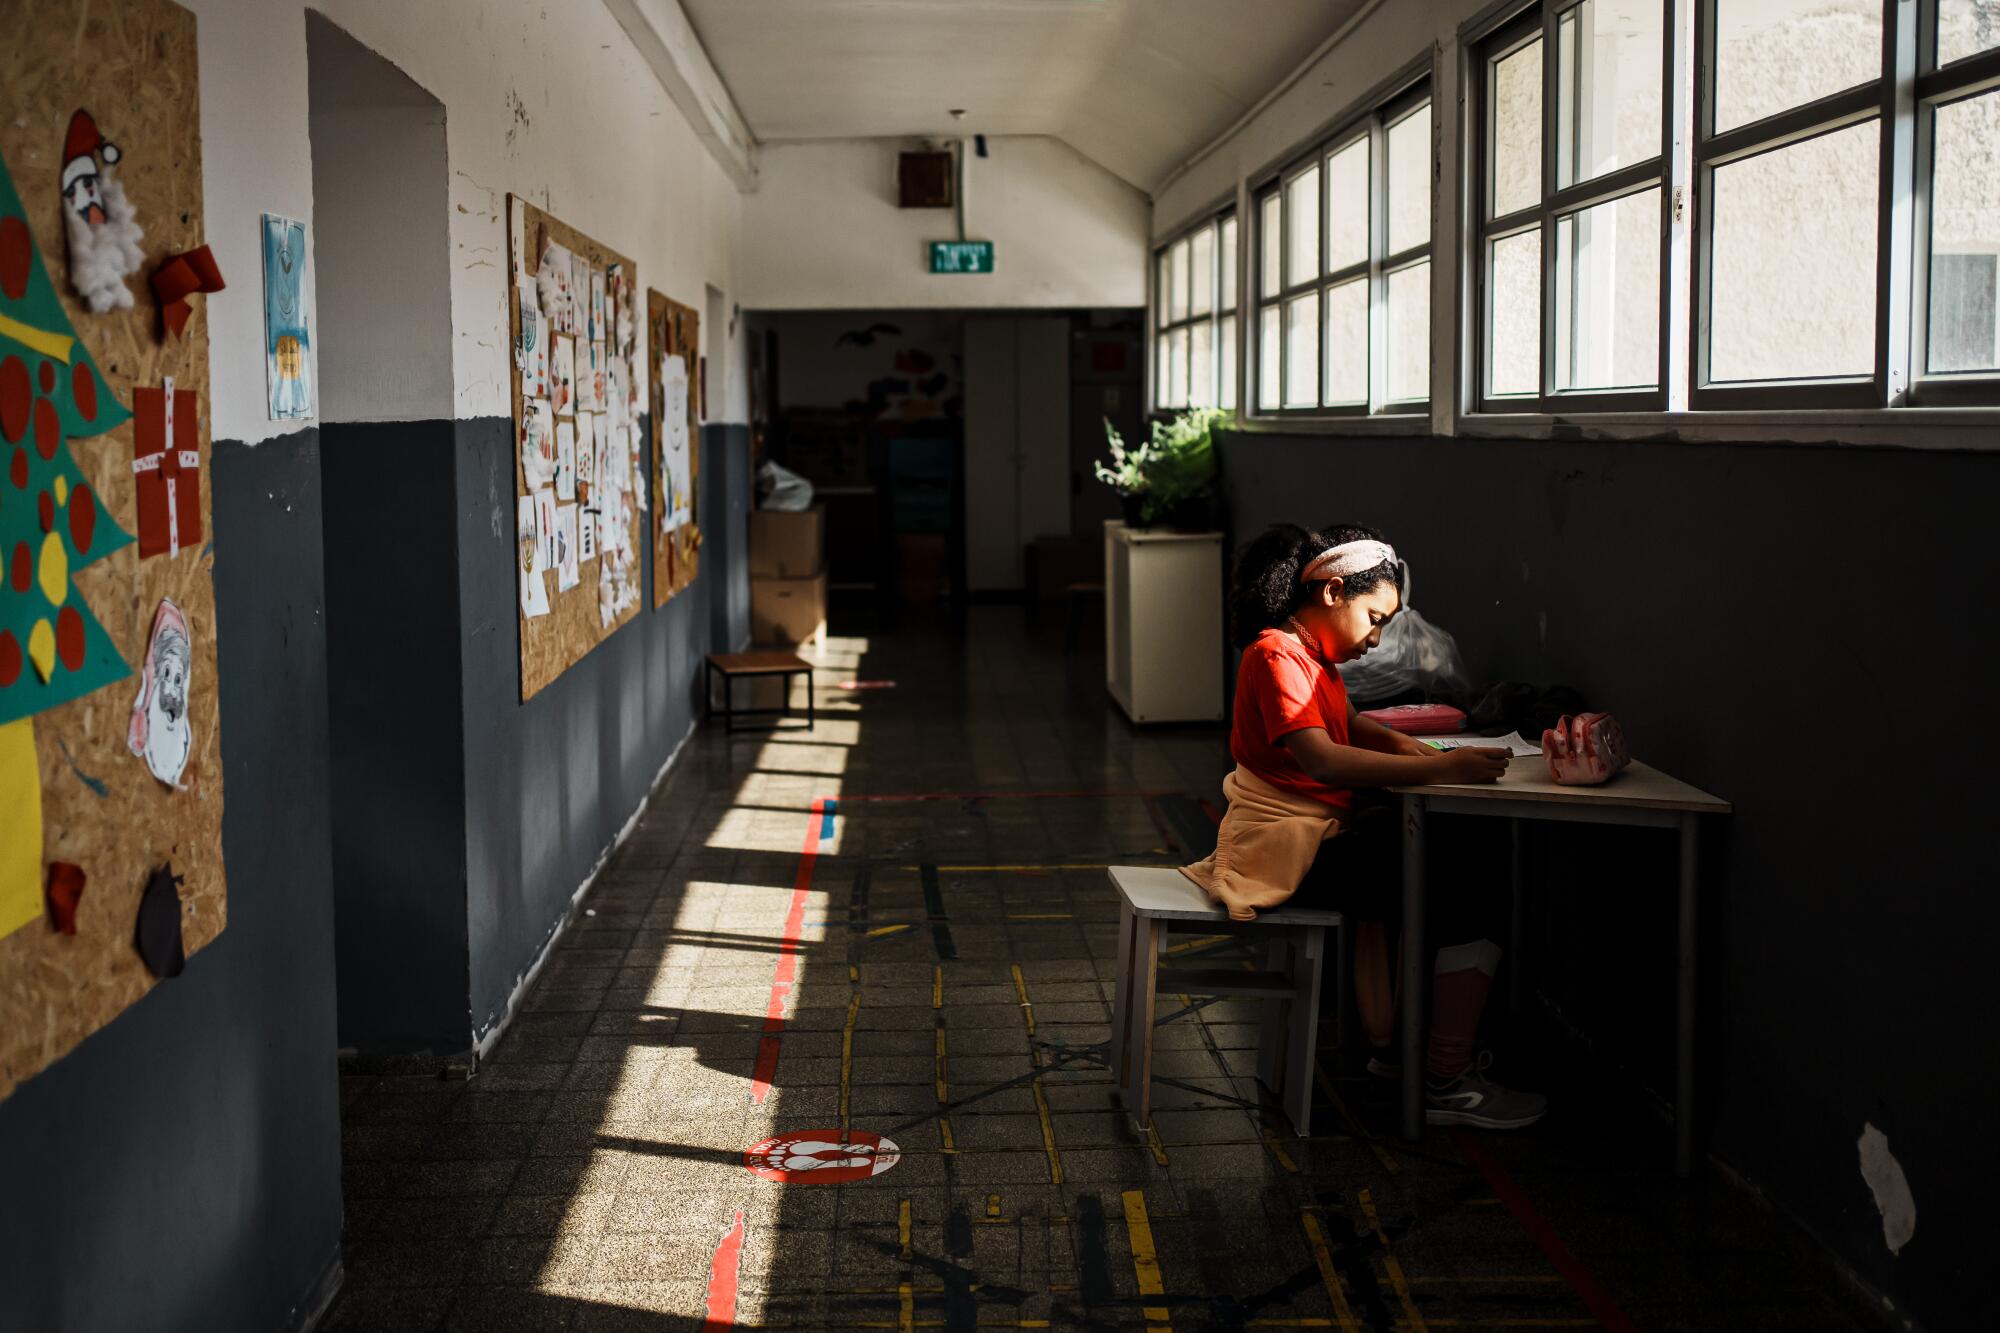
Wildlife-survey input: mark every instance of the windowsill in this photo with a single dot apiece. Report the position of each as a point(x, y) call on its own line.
point(1974, 429)
point(1382, 423)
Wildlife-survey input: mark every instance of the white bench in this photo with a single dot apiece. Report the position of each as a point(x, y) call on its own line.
point(1153, 902)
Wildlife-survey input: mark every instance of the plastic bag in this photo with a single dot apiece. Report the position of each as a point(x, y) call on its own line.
point(781, 488)
point(1414, 655)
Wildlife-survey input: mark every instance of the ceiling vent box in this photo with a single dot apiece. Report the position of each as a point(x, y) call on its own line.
point(923, 179)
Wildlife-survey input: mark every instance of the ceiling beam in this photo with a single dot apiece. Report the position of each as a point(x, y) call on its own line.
point(667, 42)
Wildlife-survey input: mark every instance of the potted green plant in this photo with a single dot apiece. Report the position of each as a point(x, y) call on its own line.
point(1168, 478)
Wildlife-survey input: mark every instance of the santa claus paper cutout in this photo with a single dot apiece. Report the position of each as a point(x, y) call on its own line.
point(160, 732)
point(103, 227)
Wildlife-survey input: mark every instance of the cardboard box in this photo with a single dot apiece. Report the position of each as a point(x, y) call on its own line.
point(787, 545)
point(788, 611)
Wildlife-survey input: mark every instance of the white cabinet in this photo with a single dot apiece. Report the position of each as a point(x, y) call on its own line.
point(1163, 617)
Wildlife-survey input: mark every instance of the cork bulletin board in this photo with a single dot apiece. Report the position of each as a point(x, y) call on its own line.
point(675, 332)
point(104, 513)
point(579, 456)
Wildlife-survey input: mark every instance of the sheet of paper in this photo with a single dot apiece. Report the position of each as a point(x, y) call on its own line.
point(586, 458)
point(579, 273)
point(554, 273)
point(590, 392)
point(288, 363)
point(545, 525)
point(531, 349)
point(598, 331)
point(1511, 742)
point(677, 502)
point(586, 535)
point(160, 731)
point(538, 442)
point(562, 375)
point(567, 574)
point(565, 460)
point(534, 588)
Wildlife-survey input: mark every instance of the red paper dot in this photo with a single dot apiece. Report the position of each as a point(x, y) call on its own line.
point(15, 398)
point(48, 428)
point(10, 658)
point(47, 375)
point(17, 252)
point(24, 567)
point(18, 469)
point(83, 388)
point(82, 518)
point(45, 505)
point(69, 637)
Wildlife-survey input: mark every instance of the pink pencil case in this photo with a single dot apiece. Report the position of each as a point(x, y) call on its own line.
point(1419, 719)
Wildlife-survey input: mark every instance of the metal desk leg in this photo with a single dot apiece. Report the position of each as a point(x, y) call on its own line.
point(1685, 1016)
point(809, 701)
point(1415, 977)
point(1519, 871)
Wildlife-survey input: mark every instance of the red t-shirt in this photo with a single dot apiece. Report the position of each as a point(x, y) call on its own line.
point(1282, 687)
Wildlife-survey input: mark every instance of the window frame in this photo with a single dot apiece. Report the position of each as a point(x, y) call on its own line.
point(1507, 34)
point(1405, 94)
point(1161, 327)
point(1936, 86)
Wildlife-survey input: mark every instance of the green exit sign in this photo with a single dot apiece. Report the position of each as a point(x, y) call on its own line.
point(961, 256)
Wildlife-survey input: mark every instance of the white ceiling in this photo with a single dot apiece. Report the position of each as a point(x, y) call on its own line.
point(1135, 85)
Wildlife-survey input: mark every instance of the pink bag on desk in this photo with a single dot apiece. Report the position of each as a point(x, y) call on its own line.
point(1585, 750)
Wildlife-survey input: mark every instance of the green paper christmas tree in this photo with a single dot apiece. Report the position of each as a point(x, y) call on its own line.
point(52, 523)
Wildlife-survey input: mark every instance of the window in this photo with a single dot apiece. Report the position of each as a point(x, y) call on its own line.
point(1194, 303)
point(1573, 206)
point(1955, 342)
point(1343, 272)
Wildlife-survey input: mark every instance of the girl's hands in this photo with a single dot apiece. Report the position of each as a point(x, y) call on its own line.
point(1473, 765)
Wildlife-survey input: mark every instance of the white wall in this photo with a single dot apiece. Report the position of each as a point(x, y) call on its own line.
point(822, 230)
point(548, 101)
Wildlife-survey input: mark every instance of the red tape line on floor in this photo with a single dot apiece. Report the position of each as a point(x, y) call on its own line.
point(722, 1272)
point(788, 957)
point(1594, 1297)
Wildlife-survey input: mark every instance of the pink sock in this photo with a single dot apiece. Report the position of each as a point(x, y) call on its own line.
point(1459, 982)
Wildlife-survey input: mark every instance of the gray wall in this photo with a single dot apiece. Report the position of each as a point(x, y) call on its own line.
point(398, 780)
point(550, 783)
point(181, 1168)
point(726, 494)
point(1777, 625)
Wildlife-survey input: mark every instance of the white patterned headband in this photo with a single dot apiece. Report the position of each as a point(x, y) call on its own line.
point(1347, 560)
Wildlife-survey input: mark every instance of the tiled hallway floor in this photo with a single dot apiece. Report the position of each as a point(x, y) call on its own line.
point(937, 849)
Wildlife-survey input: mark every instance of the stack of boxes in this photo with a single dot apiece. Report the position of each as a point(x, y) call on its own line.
point(788, 575)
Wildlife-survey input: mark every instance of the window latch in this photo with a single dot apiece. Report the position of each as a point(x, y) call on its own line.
point(1680, 203)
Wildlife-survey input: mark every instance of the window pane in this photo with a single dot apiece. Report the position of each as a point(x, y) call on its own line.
point(1201, 367)
point(1269, 240)
point(1177, 282)
point(1160, 371)
point(1517, 129)
point(1965, 234)
point(1162, 280)
point(1608, 91)
point(1267, 357)
point(1514, 315)
point(1347, 343)
point(1771, 55)
point(1201, 279)
point(1226, 395)
point(1792, 287)
point(1608, 295)
point(1410, 181)
point(1177, 368)
point(1966, 27)
point(1347, 206)
point(1226, 257)
point(1407, 372)
point(1302, 219)
point(1302, 351)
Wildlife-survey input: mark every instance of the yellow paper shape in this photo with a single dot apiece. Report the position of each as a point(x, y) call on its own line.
point(21, 830)
point(42, 648)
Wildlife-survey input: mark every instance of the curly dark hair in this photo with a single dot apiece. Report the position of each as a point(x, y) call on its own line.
point(1265, 589)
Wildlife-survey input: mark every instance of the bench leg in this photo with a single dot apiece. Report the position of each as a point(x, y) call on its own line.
point(1308, 960)
point(1121, 996)
point(1139, 1052)
point(1274, 1020)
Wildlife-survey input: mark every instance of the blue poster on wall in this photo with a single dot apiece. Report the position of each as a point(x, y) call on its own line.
point(288, 362)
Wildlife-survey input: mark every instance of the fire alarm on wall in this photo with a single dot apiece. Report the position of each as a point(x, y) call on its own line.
point(924, 179)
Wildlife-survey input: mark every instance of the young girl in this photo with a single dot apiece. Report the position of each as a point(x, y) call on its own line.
point(1301, 603)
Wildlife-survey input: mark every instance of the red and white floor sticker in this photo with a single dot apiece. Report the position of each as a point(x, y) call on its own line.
point(822, 1156)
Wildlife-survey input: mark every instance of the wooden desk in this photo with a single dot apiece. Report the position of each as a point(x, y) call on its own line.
point(1642, 797)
